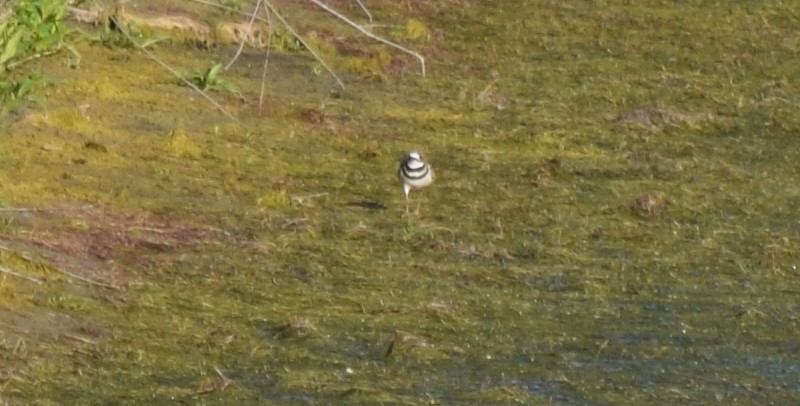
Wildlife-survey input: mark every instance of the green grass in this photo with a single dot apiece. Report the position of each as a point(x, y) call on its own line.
point(532, 274)
point(29, 31)
point(209, 79)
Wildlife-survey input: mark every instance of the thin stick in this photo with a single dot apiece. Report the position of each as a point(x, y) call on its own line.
point(301, 199)
point(288, 27)
point(266, 63)
point(28, 258)
point(241, 44)
point(87, 280)
point(48, 209)
point(366, 11)
point(305, 44)
point(79, 338)
point(371, 35)
point(179, 76)
point(223, 384)
point(19, 275)
point(225, 380)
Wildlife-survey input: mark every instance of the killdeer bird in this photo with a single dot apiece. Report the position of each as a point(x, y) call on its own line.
point(415, 173)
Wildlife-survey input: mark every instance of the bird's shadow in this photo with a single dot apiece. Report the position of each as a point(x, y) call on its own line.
point(367, 204)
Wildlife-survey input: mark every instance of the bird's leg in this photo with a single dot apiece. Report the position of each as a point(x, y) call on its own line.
point(418, 203)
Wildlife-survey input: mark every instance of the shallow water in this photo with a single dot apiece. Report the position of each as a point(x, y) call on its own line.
point(278, 267)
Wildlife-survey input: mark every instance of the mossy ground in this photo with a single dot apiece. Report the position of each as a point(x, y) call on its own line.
point(613, 221)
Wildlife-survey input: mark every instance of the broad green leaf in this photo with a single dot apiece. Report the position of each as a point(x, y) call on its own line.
point(10, 48)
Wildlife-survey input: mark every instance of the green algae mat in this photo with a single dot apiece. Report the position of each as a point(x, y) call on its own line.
point(613, 218)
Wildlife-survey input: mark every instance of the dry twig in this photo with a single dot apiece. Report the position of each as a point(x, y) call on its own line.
point(366, 11)
point(87, 280)
point(305, 43)
point(266, 63)
point(288, 28)
point(220, 385)
point(250, 27)
point(178, 75)
point(371, 35)
point(19, 274)
point(47, 209)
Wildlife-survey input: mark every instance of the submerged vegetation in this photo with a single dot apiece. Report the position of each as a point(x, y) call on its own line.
point(612, 221)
